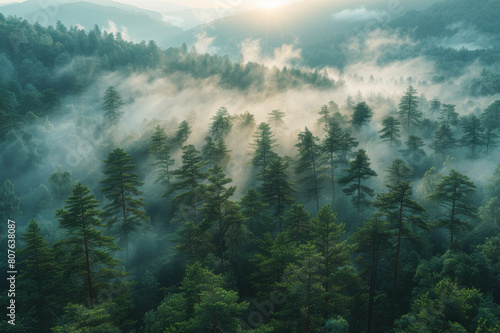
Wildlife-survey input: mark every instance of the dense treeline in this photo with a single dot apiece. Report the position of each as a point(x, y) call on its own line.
point(161, 232)
point(40, 65)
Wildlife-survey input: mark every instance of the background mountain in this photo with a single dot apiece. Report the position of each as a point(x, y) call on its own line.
point(134, 23)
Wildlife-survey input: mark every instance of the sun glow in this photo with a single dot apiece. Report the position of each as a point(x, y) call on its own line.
point(273, 4)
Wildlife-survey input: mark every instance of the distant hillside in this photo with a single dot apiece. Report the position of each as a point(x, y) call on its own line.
point(134, 23)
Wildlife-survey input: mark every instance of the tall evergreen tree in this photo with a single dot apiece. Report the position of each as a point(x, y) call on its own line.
point(492, 114)
point(112, 105)
point(88, 250)
point(264, 145)
point(253, 207)
point(189, 176)
point(473, 134)
point(277, 189)
point(408, 109)
point(333, 253)
point(435, 105)
point(121, 189)
point(61, 183)
point(359, 171)
point(453, 195)
point(448, 115)
point(402, 211)
point(372, 239)
point(490, 138)
point(332, 147)
point(40, 269)
point(297, 223)
point(348, 143)
point(414, 150)
point(309, 163)
point(398, 172)
point(218, 209)
point(443, 141)
point(362, 115)
point(221, 124)
point(275, 119)
point(324, 115)
point(390, 130)
point(181, 135)
point(9, 201)
point(160, 148)
point(209, 151)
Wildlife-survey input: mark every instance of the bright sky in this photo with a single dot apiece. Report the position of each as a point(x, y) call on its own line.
point(197, 3)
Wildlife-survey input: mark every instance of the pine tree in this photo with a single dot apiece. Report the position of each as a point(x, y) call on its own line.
point(40, 275)
point(359, 171)
point(398, 172)
point(333, 252)
point(390, 130)
point(9, 201)
point(372, 239)
point(88, 250)
point(443, 141)
point(121, 189)
point(181, 135)
point(297, 223)
point(490, 138)
point(309, 163)
point(453, 195)
point(362, 115)
point(414, 149)
point(159, 140)
point(189, 176)
point(275, 119)
point(402, 211)
point(277, 189)
point(473, 134)
point(264, 146)
point(112, 105)
point(222, 155)
point(448, 115)
point(435, 105)
point(324, 115)
point(348, 143)
point(332, 147)
point(61, 183)
point(209, 151)
point(253, 207)
point(408, 108)
point(221, 124)
point(492, 114)
point(218, 208)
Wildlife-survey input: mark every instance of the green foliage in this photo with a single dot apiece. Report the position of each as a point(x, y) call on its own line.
point(362, 115)
point(390, 130)
point(9, 201)
point(443, 141)
point(253, 208)
point(189, 176)
point(61, 183)
point(264, 145)
point(221, 124)
point(121, 189)
point(277, 189)
point(87, 250)
point(473, 134)
point(447, 308)
point(408, 109)
point(448, 115)
point(414, 150)
point(453, 195)
point(275, 119)
point(309, 164)
point(398, 172)
point(359, 171)
point(112, 105)
point(297, 224)
point(82, 319)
